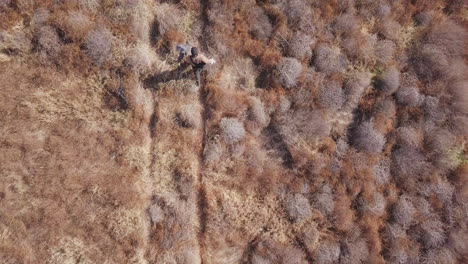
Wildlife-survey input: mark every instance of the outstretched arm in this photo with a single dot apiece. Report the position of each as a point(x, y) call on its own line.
point(206, 60)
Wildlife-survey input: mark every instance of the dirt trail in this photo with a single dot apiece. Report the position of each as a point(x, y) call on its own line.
point(202, 97)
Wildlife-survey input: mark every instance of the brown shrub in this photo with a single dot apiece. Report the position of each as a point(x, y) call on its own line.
point(343, 214)
point(389, 81)
point(40, 18)
point(448, 36)
point(409, 96)
point(361, 46)
point(298, 207)
point(49, 41)
point(141, 58)
point(331, 96)
point(77, 24)
point(385, 51)
point(390, 29)
point(355, 87)
point(430, 63)
point(346, 24)
point(262, 27)
point(327, 252)
point(367, 138)
point(299, 46)
point(99, 45)
point(459, 92)
point(329, 59)
point(232, 129)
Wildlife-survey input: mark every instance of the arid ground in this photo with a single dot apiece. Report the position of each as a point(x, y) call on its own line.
point(328, 131)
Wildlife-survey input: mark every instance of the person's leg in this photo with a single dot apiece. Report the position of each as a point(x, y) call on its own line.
point(197, 72)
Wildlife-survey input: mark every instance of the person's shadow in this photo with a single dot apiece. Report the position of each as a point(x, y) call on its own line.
point(176, 74)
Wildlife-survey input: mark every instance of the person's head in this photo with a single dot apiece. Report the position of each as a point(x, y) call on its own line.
point(194, 51)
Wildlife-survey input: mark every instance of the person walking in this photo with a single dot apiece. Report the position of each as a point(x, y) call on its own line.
point(196, 59)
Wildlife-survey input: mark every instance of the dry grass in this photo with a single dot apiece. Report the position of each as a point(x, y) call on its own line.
point(327, 132)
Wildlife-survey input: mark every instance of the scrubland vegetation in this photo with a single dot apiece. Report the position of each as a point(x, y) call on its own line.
point(328, 132)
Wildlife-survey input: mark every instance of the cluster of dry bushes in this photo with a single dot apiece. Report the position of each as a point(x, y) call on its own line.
point(328, 132)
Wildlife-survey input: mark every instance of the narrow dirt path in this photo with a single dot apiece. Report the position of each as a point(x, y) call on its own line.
point(202, 97)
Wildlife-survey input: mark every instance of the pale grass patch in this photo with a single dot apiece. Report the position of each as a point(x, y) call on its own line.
point(51, 105)
point(250, 213)
point(70, 250)
point(124, 222)
point(141, 58)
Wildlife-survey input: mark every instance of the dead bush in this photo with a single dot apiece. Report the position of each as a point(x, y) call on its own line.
point(299, 13)
point(323, 200)
point(302, 123)
point(16, 42)
point(77, 24)
point(298, 207)
point(393, 232)
point(262, 27)
point(89, 5)
point(409, 137)
point(366, 138)
point(49, 41)
point(354, 252)
point(361, 46)
point(457, 241)
point(424, 19)
point(375, 204)
point(167, 18)
point(310, 237)
point(5, 3)
point(389, 81)
point(433, 110)
point(382, 172)
point(40, 18)
point(404, 211)
point(257, 119)
point(390, 29)
point(398, 253)
point(329, 59)
point(448, 36)
point(439, 256)
point(430, 62)
point(232, 129)
point(331, 96)
point(141, 58)
point(327, 252)
point(409, 162)
point(99, 45)
point(212, 152)
point(156, 214)
point(385, 51)
point(459, 92)
point(268, 251)
point(383, 10)
point(355, 87)
point(189, 116)
point(346, 24)
point(288, 71)
point(431, 233)
point(299, 46)
point(409, 96)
